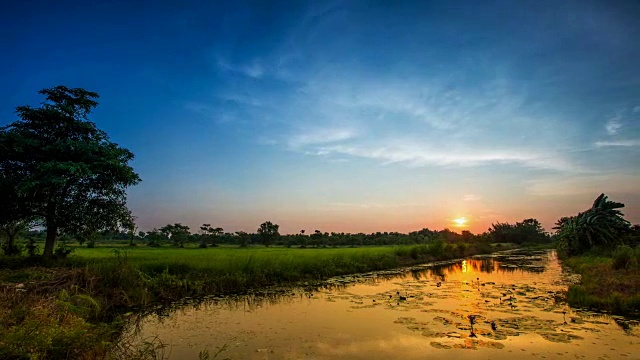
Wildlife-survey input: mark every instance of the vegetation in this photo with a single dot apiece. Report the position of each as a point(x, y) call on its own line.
point(602, 226)
point(73, 307)
point(268, 232)
point(598, 243)
point(606, 284)
point(528, 231)
point(58, 170)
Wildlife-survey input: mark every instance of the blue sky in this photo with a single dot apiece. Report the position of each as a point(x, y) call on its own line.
point(350, 115)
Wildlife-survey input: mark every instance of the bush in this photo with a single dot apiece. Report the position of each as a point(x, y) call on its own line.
point(624, 257)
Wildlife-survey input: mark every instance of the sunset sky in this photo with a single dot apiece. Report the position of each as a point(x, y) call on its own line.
point(354, 116)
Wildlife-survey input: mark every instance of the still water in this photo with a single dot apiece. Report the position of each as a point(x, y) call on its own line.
point(425, 312)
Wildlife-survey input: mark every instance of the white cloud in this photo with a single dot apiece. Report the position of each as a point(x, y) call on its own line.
point(320, 136)
point(613, 125)
point(413, 154)
point(636, 109)
point(618, 143)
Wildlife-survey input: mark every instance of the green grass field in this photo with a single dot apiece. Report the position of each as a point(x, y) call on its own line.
point(280, 263)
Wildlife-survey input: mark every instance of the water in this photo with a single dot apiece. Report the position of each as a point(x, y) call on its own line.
point(412, 314)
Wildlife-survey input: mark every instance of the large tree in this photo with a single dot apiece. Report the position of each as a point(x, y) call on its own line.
point(178, 233)
point(603, 225)
point(62, 171)
point(268, 232)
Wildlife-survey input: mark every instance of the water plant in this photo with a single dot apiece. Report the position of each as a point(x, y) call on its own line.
point(472, 321)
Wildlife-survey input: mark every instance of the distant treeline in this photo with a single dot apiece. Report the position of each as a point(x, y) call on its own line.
point(526, 231)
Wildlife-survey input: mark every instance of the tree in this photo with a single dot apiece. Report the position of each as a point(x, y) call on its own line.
point(62, 171)
point(603, 225)
point(525, 231)
point(10, 231)
point(243, 238)
point(131, 227)
point(11, 225)
point(208, 233)
point(178, 233)
point(155, 237)
point(204, 234)
point(268, 232)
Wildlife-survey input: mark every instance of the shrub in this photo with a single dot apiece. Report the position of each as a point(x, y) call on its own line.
point(624, 257)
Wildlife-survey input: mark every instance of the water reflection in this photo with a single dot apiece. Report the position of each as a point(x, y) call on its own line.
point(477, 303)
point(438, 272)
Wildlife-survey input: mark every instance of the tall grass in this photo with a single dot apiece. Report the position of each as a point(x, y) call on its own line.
point(72, 309)
point(626, 257)
point(608, 283)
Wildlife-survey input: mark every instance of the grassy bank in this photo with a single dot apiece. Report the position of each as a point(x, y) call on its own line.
point(609, 283)
point(72, 308)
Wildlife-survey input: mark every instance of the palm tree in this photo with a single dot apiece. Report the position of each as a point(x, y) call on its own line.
point(602, 225)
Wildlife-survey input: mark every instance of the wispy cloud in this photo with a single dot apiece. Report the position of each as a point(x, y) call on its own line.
point(320, 136)
point(419, 155)
point(590, 184)
point(406, 122)
point(613, 125)
point(216, 114)
point(406, 116)
point(253, 69)
point(618, 143)
point(471, 197)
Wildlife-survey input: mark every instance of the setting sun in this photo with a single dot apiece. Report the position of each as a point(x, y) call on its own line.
point(461, 221)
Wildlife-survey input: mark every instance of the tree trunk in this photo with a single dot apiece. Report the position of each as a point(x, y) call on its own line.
point(52, 233)
point(10, 247)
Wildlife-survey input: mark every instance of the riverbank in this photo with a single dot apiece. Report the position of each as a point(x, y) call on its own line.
point(75, 308)
point(606, 285)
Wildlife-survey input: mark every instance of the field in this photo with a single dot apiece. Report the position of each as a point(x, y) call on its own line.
point(233, 259)
point(236, 270)
point(77, 304)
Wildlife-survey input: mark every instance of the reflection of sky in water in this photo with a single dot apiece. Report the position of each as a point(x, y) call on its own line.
point(403, 316)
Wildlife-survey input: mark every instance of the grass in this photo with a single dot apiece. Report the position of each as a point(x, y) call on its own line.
point(73, 308)
point(605, 285)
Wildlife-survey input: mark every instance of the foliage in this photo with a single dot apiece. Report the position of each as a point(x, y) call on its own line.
point(605, 285)
point(50, 327)
point(268, 232)
point(178, 233)
point(603, 226)
point(59, 169)
point(154, 238)
point(626, 257)
point(209, 234)
point(243, 238)
point(526, 231)
point(9, 231)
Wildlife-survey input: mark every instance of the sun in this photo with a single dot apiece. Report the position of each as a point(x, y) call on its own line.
point(460, 222)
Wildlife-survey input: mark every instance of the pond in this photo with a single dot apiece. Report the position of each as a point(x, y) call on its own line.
point(497, 306)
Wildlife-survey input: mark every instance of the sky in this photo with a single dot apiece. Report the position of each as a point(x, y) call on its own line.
point(348, 116)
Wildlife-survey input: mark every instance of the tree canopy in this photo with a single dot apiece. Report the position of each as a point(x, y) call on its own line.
point(59, 170)
point(525, 231)
point(268, 232)
point(602, 225)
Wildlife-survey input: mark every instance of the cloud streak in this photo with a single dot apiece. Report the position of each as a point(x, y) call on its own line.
point(613, 125)
point(618, 143)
